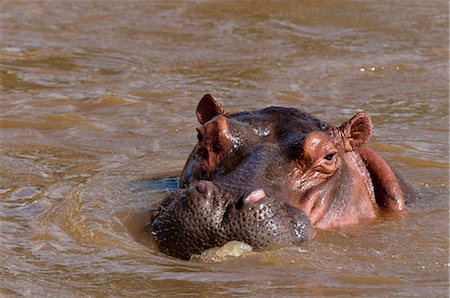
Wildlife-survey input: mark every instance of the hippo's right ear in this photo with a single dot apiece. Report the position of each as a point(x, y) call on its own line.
point(357, 131)
point(208, 108)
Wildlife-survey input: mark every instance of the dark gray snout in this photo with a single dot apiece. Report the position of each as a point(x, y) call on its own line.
point(205, 216)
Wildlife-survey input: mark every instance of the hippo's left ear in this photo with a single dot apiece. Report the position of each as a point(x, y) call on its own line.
point(208, 108)
point(357, 131)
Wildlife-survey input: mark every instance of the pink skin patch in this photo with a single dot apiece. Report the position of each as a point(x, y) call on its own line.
point(255, 196)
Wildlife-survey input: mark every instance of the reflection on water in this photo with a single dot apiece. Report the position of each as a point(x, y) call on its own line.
point(155, 185)
point(98, 99)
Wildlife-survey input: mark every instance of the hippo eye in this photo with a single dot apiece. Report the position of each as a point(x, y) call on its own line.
point(329, 156)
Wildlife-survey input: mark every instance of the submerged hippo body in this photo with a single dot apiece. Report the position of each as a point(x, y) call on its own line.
point(273, 175)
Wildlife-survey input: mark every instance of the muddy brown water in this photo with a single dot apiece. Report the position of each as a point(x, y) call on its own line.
point(99, 97)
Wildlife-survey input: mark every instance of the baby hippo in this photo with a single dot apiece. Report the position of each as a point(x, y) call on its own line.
point(273, 175)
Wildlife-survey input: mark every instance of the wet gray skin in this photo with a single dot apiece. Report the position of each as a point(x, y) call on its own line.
point(205, 216)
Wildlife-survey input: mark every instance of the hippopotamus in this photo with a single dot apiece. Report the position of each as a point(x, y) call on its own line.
point(274, 175)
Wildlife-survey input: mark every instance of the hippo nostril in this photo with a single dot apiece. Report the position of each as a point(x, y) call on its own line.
point(202, 187)
point(205, 188)
point(255, 196)
point(250, 198)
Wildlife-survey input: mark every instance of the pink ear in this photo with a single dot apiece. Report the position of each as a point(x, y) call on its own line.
point(208, 108)
point(357, 131)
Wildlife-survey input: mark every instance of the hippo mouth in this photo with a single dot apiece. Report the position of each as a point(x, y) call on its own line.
point(192, 220)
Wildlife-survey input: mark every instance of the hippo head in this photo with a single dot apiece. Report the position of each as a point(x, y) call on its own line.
point(271, 176)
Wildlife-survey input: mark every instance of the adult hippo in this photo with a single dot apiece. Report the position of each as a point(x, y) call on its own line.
point(271, 176)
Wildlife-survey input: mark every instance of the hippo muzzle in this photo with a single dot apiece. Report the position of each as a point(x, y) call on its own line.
point(204, 216)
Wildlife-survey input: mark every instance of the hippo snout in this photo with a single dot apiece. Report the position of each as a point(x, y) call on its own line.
point(205, 215)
